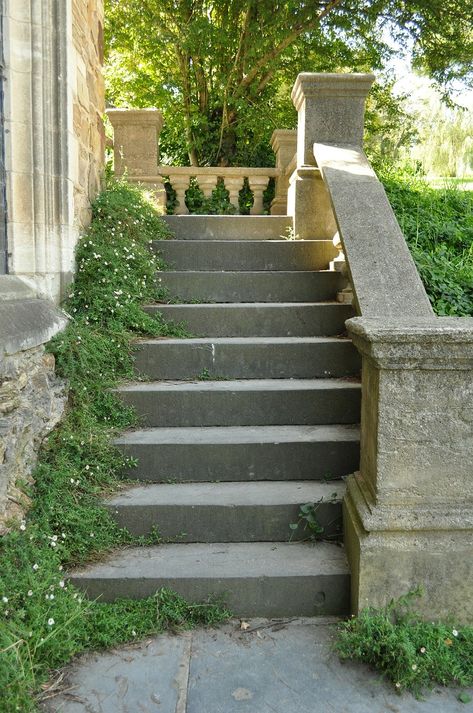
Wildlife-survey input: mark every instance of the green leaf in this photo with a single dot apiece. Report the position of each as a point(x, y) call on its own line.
point(464, 697)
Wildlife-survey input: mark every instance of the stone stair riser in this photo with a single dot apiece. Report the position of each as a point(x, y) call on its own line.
point(251, 286)
point(246, 408)
point(253, 360)
point(228, 227)
point(256, 320)
point(245, 255)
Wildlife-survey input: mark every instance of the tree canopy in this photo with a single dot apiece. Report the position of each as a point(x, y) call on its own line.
point(221, 70)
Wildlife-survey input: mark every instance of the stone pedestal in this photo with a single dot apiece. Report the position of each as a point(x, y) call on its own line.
point(409, 511)
point(283, 143)
point(136, 140)
point(330, 110)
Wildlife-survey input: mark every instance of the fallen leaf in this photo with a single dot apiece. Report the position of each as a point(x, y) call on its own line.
point(244, 625)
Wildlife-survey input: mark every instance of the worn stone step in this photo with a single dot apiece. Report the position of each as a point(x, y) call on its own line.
point(246, 255)
point(225, 453)
point(262, 319)
point(255, 578)
point(246, 358)
point(263, 286)
point(229, 512)
point(229, 227)
point(253, 402)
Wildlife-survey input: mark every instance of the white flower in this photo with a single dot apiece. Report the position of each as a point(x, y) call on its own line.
point(61, 584)
point(53, 544)
point(87, 467)
point(4, 600)
point(398, 685)
point(455, 632)
point(35, 567)
point(54, 538)
point(30, 592)
point(422, 649)
point(60, 567)
point(51, 622)
point(133, 632)
point(22, 526)
point(414, 667)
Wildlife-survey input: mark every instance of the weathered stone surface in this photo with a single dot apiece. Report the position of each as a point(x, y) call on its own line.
point(412, 499)
point(32, 399)
point(136, 140)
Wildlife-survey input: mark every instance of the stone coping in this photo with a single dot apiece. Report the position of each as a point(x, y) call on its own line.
point(439, 343)
point(213, 171)
point(26, 320)
point(313, 84)
point(135, 117)
point(383, 273)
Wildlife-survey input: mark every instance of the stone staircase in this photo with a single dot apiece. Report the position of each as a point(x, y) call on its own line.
point(242, 424)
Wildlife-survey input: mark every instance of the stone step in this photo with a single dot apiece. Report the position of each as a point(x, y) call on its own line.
point(246, 255)
point(253, 402)
point(262, 319)
point(229, 227)
point(263, 286)
point(229, 512)
point(264, 579)
point(249, 453)
point(246, 358)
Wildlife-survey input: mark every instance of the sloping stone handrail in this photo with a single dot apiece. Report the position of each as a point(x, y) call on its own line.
point(408, 512)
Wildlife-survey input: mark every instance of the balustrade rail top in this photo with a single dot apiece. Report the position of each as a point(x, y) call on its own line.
point(215, 171)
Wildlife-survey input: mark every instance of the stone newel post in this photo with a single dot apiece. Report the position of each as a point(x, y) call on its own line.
point(136, 145)
point(283, 143)
point(330, 110)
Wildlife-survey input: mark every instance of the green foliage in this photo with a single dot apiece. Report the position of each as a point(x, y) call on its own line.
point(44, 619)
point(438, 226)
point(310, 524)
point(222, 71)
point(412, 653)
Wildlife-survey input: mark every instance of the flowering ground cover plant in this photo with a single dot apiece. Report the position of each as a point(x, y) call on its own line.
point(44, 621)
point(412, 653)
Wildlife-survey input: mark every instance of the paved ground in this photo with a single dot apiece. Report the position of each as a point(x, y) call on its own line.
point(270, 668)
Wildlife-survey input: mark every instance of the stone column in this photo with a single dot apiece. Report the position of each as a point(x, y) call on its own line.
point(408, 513)
point(330, 110)
point(136, 141)
point(180, 185)
point(207, 185)
point(283, 143)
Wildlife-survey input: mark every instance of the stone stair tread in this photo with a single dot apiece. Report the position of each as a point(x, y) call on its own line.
point(229, 494)
point(241, 385)
point(218, 561)
point(244, 305)
point(193, 341)
point(240, 434)
point(232, 227)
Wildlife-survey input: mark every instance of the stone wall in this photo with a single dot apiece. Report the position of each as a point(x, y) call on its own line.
point(32, 398)
point(88, 103)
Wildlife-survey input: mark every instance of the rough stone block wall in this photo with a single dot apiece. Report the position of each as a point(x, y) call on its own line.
point(88, 103)
point(32, 400)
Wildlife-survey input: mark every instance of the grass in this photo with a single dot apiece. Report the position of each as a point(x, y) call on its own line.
point(438, 226)
point(44, 620)
point(413, 654)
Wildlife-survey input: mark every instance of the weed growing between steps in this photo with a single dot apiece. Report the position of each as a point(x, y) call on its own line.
point(438, 225)
point(44, 620)
point(413, 654)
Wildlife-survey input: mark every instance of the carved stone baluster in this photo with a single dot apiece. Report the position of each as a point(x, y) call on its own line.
point(180, 185)
point(234, 184)
point(339, 264)
point(258, 185)
point(207, 185)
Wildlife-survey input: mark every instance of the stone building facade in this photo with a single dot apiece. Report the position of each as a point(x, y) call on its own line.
point(51, 164)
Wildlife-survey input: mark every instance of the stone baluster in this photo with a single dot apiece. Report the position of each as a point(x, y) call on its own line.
point(234, 184)
point(283, 143)
point(207, 185)
point(258, 185)
point(339, 264)
point(180, 185)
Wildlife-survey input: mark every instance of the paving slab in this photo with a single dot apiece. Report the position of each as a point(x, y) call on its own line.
point(274, 666)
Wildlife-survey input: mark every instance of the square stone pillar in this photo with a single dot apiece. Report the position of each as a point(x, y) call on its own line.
point(330, 110)
point(136, 146)
point(136, 140)
point(409, 511)
point(283, 143)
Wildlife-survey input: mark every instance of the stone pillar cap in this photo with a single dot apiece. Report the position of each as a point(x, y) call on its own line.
point(313, 84)
point(136, 117)
point(283, 136)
